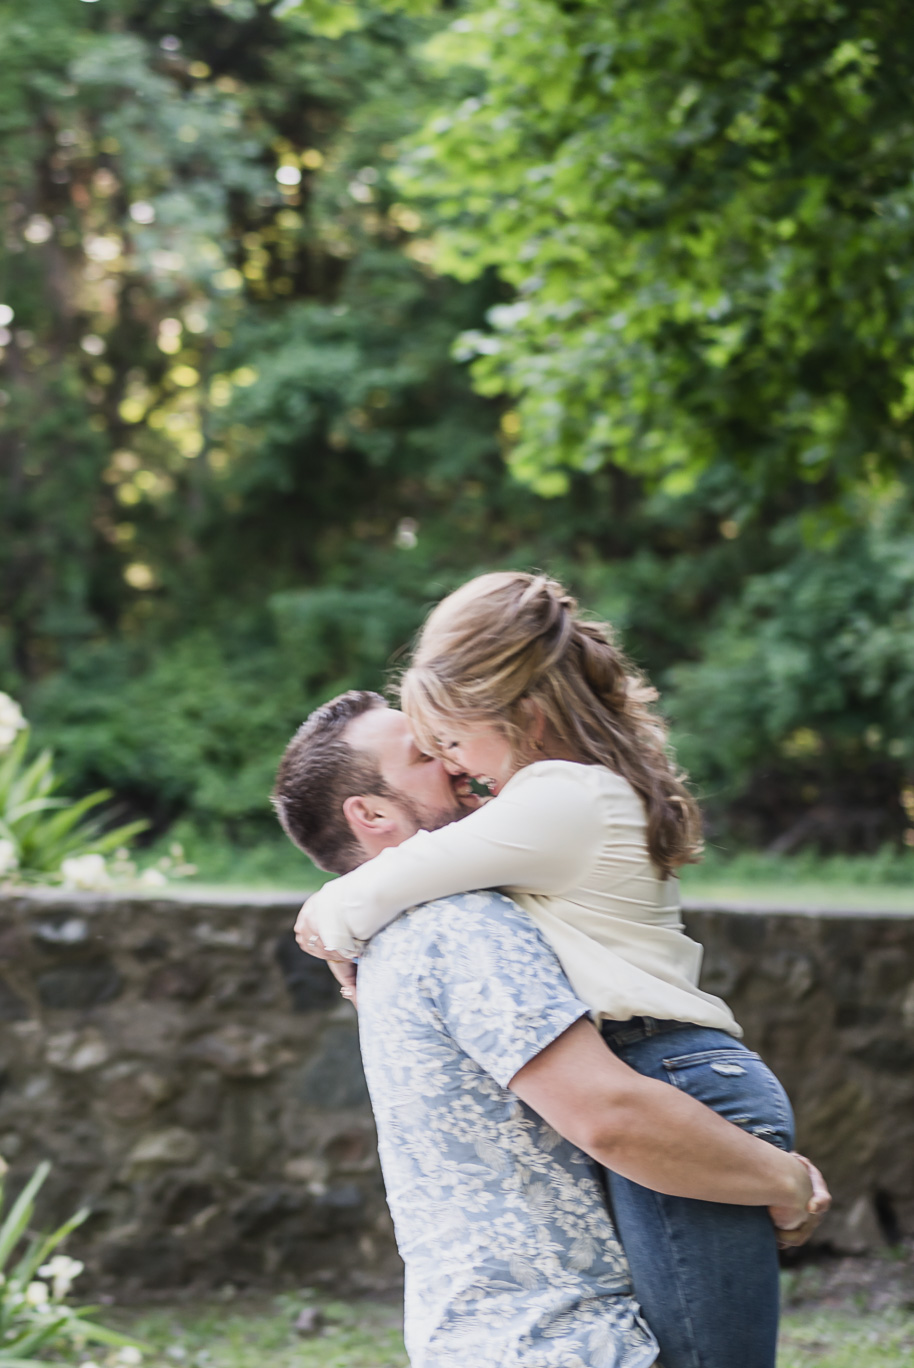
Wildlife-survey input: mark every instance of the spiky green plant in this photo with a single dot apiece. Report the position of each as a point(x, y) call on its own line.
point(43, 827)
point(34, 1317)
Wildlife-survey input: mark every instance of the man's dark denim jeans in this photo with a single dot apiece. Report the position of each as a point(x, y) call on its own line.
point(705, 1273)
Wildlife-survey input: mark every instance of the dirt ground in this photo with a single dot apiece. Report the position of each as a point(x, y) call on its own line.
point(870, 1283)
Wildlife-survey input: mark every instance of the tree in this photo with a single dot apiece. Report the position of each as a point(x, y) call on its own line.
point(234, 431)
point(704, 210)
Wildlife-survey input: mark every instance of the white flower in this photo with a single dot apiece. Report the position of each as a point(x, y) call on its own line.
point(9, 860)
point(128, 1356)
point(85, 871)
point(36, 1294)
point(11, 721)
point(153, 878)
point(61, 1270)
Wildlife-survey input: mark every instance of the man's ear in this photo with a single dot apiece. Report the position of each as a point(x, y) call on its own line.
point(367, 816)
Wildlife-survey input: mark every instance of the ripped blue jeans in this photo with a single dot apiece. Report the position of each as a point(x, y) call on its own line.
point(705, 1273)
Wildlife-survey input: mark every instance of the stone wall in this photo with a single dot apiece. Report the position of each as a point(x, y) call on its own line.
point(827, 998)
point(196, 1079)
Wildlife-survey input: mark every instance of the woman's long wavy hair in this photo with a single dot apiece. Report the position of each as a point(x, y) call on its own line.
point(508, 640)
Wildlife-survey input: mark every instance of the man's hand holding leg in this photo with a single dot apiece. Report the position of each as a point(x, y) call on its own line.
point(791, 1231)
point(660, 1138)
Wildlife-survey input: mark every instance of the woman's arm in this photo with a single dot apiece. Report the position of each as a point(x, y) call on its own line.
point(540, 834)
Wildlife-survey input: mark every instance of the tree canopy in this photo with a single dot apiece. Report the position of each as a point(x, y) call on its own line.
point(309, 311)
point(704, 210)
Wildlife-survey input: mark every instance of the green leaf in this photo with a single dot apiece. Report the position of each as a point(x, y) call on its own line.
point(38, 1336)
point(15, 814)
point(100, 1334)
point(33, 782)
point(11, 763)
point(20, 1213)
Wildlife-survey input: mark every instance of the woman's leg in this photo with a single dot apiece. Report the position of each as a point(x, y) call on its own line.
point(705, 1273)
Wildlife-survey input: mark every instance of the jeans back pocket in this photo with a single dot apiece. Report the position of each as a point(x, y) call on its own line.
point(739, 1086)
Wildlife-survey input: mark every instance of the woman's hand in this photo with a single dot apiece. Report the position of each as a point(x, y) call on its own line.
point(309, 940)
point(794, 1225)
point(344, 971)
point(307, 937)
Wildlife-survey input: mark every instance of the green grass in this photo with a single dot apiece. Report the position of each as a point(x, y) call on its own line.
point(252, 1333)
point(829, 1339)
point(884, 880)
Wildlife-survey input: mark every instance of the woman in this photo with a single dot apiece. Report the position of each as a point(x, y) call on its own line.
point(587, 824)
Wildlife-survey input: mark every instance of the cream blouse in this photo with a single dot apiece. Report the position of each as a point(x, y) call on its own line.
point(568, 843)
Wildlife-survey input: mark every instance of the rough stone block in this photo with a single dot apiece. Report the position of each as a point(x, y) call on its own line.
point(240, 1051)
point(79, 985)
point(78, 1052)
point(168, 1147)
point(310, 984)
point(12, 1006)
point(334, 1078)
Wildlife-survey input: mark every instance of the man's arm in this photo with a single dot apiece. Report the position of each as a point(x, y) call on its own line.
point(655, 1134)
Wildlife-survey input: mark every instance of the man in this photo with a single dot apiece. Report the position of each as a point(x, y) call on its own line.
point(476, 1053)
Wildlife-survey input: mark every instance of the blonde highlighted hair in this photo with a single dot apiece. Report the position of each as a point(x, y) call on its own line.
point(506, 641)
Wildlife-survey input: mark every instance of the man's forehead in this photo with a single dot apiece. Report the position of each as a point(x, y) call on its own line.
point(380, 730)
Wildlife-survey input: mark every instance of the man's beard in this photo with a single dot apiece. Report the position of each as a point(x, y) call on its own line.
point(431, 819)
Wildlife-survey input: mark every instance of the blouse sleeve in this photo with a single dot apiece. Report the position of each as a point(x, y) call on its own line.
point(539, 835)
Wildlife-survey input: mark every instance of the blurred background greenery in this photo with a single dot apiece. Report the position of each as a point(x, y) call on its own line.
point(309, 311)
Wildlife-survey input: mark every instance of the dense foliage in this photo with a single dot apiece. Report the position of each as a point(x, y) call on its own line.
point(242, 453)
point(237, 452)
point(705, 210)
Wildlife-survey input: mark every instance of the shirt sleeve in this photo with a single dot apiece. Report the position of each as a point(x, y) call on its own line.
point(540, 835)
point(501, 995)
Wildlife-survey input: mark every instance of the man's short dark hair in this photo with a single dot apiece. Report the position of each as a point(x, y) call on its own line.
point(319, 770)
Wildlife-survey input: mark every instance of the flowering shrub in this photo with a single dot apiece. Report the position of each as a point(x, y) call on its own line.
point(40, 831)
point(34, 1315)
point(95, 872)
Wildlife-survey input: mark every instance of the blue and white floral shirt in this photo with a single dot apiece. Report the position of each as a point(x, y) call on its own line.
point(511, 1258)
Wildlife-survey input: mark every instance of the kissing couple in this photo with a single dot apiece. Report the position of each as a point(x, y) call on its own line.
point(585, 1166)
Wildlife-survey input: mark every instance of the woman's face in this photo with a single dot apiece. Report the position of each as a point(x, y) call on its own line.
point(479, 750)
